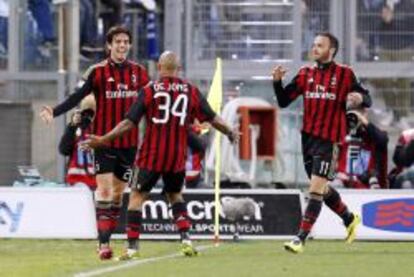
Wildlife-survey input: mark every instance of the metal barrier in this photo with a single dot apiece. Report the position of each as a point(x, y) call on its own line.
point(32, 90)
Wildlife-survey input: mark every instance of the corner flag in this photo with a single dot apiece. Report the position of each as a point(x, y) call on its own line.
point(215, 94)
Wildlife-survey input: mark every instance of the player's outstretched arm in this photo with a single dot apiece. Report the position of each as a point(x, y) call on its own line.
point(232, 134)
point(100, 141)
point(285, 95)
point(122, 127)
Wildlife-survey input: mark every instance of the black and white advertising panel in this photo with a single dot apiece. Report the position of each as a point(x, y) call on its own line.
point(253, 213)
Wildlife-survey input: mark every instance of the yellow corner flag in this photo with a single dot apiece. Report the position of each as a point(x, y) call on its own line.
point(215, 94)
point(215, 98)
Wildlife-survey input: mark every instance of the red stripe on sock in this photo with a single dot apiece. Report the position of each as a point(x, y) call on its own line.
point(339, 208)
point(132, 234)
point(182, 222)
point(306, 225)
point(115, 214)
point(104, 224)
point(114, 223)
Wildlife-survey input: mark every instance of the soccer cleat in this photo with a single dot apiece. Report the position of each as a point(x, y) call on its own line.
point(129, 254)
point(351, 229)
point(105, 252)
point(294, 246)
point(188, 249)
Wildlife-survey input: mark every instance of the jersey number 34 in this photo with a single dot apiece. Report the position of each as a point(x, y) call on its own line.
point(177, 109)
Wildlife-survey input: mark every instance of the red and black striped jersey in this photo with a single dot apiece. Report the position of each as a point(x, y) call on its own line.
point(116, 87)
point(324, 88)
point(169, 106)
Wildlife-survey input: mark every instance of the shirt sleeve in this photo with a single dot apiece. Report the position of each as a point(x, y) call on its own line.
point(144, 77)
point(357, 86)
point(137, 109)
point(289, 93)
point(75, 98)
point(204, 110)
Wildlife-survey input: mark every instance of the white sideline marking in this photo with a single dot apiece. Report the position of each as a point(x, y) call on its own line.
point(129, 264)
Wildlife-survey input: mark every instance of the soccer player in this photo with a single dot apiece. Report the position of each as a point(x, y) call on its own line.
point(115, 83)
point(325, 86)
point(169, 105)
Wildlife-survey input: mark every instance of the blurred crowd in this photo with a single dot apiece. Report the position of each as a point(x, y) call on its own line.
point(95, 18)
point(385, 29)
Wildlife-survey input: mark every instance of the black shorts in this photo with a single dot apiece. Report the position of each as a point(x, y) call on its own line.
point(144, 180)
point(115, 160)
point(319, 156)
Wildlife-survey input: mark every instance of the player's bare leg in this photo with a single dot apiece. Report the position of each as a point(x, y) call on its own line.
point(118, 187)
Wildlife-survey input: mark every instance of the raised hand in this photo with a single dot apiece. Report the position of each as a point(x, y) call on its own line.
point(278, 73)
point(234, 135)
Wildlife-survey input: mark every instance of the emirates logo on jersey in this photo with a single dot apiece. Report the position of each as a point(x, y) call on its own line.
point(111, 94)
point(121, 86)
point(320, 95)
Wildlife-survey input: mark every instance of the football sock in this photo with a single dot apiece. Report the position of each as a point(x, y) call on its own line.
point(103, 217)
point(333, 200)
point(311, 214)
point(115, 214)
point(133, 226)
point(179, 211)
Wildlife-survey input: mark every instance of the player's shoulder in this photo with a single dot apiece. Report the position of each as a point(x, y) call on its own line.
point(305, 68)
point(192, 88)
point(345, 66)
point(93, 67)
point(136, 64)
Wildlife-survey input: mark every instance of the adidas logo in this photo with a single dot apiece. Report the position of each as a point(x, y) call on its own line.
point(110, 79)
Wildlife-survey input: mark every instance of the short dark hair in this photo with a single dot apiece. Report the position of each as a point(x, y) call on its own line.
point(115, 30)
point(333, 41)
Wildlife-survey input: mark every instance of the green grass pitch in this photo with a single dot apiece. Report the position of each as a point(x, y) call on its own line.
point(247, 258)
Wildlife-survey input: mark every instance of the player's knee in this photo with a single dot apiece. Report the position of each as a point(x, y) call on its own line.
point(174, 197)
point(103, 194)
point(318, 184)
point(118, 192)
point(136, 199)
